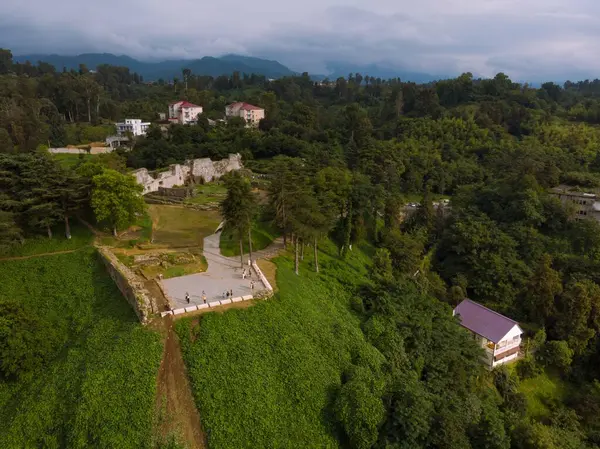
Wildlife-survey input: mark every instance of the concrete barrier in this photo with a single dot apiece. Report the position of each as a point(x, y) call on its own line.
point(191, 308)
point(225, 301)
point(238, 299)
point(164, 314)
point(246, 297)
point(202, 306)
point(262, 277)
point(178, 311)
point(214, 304)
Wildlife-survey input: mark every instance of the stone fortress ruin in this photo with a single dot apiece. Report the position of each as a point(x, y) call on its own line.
point(178, 174)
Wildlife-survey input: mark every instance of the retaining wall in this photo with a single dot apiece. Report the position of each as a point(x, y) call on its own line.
point(129, 285)
point(208, 305)
point(262, 277)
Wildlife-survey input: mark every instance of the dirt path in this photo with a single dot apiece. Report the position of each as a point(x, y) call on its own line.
point(40, 254)
point(175, 405)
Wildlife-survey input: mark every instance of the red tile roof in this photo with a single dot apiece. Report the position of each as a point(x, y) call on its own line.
point(185, 104)
point(245, 106)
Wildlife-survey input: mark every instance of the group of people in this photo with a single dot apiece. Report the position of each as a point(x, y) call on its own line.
point(229, 293)
point(187, 297)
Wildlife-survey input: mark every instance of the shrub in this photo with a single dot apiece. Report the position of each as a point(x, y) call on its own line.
point(528, 368)
point(556, 353)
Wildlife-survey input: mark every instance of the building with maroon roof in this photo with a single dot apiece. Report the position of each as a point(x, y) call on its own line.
point(498, 335)
point(252, 114)
point(184, 112)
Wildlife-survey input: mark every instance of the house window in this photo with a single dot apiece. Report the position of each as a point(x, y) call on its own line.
point(516, 338)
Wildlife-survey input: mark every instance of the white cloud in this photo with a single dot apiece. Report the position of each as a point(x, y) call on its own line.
point(528, 39)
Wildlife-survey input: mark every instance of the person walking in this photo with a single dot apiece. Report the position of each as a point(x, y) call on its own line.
point(187, 297)
point(252, 285)
point(231, 293)
point(227, 294)
point(203, 297)
point(244, 273)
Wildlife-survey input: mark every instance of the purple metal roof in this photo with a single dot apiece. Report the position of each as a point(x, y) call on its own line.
point(483, 321)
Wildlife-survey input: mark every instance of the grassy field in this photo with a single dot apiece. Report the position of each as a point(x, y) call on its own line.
point(98, 388)
point(539, 391)
point(152, 271)
point(208, 193)
point(264, 376)
point(263, 234)
point(178, 226)
point(80, 236)
point(71, 160)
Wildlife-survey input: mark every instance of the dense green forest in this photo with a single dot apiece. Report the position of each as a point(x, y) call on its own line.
point(342, 158)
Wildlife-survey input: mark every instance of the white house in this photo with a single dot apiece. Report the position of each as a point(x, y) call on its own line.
point(498, 335)
point(184, 112)
point(133, 125)
point(252, 114)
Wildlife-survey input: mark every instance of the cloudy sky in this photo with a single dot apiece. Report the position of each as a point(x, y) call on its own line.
point(528, 39)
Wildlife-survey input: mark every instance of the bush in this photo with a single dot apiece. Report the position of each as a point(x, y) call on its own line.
point(26, 340)
point(556, 353)
point(528, 368)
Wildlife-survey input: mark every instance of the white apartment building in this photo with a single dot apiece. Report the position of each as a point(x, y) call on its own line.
point(184, 112)
point(252, 114)
point(133, 125)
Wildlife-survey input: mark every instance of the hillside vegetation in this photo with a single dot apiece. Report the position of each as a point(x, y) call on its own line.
point(264, 376)
point(78, 370)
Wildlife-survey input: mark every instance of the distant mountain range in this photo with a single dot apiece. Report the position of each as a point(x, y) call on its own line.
point(223, 65)
point(382, 71)
point(151, 71)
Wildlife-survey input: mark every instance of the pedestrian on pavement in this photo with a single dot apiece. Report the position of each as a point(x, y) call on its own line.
point(204, 298)
point(231, 293)
point(252, 285)
point(224, 294)
point(187, 297)
point(244, 273)
point(227, 294)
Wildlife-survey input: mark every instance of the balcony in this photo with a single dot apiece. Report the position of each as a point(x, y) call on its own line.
point(512, 345)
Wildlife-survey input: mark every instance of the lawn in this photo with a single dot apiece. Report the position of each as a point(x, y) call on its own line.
point(98, 387)
point(173, 271)
point(80, 236)
point(208, 193)
point(540, 391)
point(71, 160)
point(263, 234)
point(180, 227)
point(265, 376)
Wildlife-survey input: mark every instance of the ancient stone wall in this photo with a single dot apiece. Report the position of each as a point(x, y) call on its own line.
point(129, 285)
point(178, 174)
point(176, 192)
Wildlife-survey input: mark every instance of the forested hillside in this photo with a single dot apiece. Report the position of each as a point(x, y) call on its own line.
point(342, 158)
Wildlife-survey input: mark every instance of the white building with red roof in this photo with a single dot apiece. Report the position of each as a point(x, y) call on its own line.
point(252, 114)
point(184, 112)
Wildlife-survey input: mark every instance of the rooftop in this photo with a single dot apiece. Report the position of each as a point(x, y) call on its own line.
point(573, 191)
point(483, 321)
point(185, 104)
point(244, 106)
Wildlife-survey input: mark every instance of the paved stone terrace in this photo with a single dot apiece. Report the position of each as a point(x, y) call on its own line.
point(223, 273)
